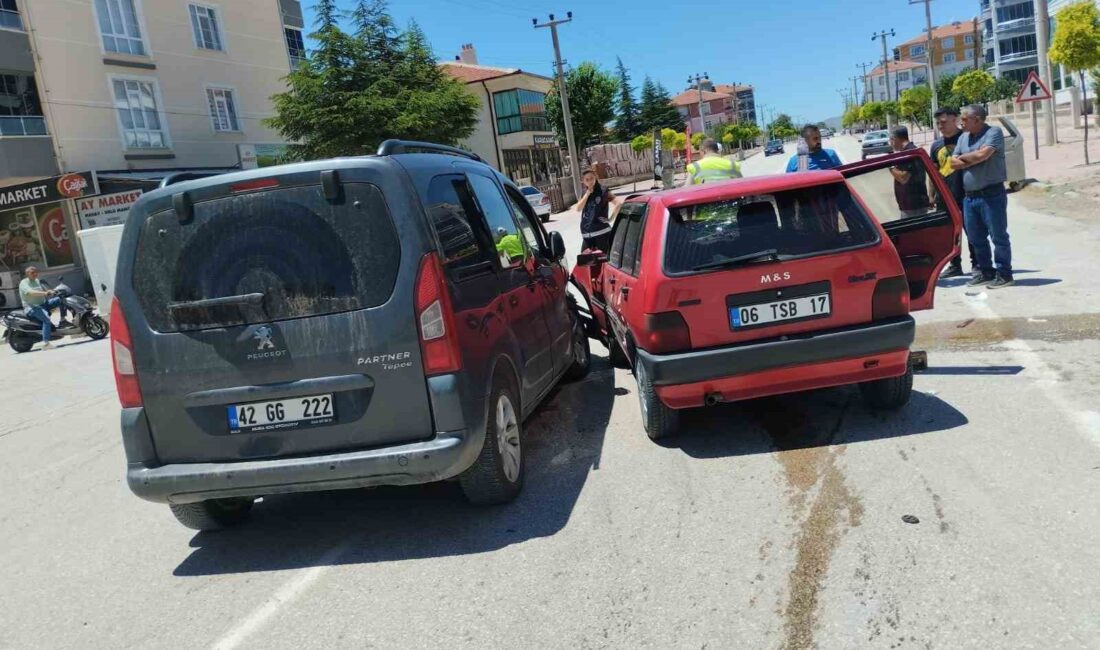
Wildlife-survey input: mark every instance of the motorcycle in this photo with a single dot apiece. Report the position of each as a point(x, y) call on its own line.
point(22, 331)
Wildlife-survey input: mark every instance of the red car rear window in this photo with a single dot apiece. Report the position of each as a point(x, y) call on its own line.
point(792, 223)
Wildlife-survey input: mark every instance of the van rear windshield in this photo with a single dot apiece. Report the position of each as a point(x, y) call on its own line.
point(266, 256)
point(792, 223)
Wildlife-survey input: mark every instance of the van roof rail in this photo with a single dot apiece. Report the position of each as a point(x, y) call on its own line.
point(180, 177)
point(391, 147)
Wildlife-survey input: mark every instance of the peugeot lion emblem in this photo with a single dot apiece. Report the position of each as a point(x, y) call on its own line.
point(263, 338)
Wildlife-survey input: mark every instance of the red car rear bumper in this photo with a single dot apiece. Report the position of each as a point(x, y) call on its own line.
point(833, 358)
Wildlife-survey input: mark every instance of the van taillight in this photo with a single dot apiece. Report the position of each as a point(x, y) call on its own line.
point(891, 298)
point(666, 332)
point(122, 353)
point(435, 319)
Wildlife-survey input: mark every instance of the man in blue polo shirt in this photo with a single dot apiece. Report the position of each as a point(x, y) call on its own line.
point(817, 158)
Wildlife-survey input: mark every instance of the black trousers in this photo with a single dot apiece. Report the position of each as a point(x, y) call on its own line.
point(599, 242)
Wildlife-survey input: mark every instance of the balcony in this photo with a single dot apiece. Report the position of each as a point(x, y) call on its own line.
point(22, 126)
point(10, 20)
point(516, 124)
point(1020, 58)
point(1020, 24)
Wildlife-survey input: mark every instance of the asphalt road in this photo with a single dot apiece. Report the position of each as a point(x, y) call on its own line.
point(769, 524)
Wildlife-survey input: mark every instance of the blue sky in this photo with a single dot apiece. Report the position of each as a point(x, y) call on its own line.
point(797, 53)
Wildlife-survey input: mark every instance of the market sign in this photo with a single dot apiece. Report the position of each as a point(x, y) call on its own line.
point(546, 142)
point(48, 190)
point(106, 209)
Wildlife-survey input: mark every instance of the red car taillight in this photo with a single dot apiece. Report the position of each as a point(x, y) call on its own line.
point(122, 353)
point(891, 298)
point(666, 332)
point(435, 319)
point(544, 200)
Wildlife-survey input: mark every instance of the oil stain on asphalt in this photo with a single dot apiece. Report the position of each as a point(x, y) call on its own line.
point(809, 460)
point(979, 334)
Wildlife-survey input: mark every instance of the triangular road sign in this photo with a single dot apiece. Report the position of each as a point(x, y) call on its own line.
point(1033, 90)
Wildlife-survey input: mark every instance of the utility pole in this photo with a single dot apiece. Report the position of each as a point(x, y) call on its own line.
point(1042, 42)
point(698, 81)
point(855, 91)
point(928, 53)
point(574, 162)
point(881, 36)
point(868, 85)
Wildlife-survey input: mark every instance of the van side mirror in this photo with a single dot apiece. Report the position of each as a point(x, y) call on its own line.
point(557, 246)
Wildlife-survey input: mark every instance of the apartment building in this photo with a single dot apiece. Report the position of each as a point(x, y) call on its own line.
point(903, 76)
point(955, 47)
point(1011, 47)
point(745, 100)
point(721, 104)
point(512, 131)
point(105, 97)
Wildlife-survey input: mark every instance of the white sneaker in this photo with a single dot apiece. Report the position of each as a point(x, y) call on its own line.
point(46, 346)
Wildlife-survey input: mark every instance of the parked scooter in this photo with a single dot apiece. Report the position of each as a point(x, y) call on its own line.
point(22, 331)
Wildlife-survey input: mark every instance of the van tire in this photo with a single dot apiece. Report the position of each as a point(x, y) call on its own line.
point(615, 353)
point(212, 514)
point(888, 394)
point(581, 351)
point(488, 480)
point(658, 420)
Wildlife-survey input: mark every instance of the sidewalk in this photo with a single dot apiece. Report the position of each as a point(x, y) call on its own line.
point(1065, 187)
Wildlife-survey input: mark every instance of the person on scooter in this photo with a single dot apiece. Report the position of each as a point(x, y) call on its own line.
point(38, 302)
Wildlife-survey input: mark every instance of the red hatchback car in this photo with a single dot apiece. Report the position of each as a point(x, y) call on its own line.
point(770, 285)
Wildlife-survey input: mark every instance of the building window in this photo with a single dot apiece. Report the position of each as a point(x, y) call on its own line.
point(139, 114)
point(1015, 12)
point(9, 15)
point(968, 39)
point(223, 110)
point(948, 57)
point(948, 43)
point(118, 26)
point(20, 108)
point(916, 50)
point(520, 110)
point(295, 46)
point(1019, 75)
point(1019, 46)
point(204, 24)
point(882, 80)
point(903, 76)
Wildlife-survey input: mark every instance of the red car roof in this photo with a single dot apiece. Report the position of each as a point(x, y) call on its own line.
point(709, 192)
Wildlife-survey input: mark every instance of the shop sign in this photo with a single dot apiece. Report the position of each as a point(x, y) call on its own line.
point(106, 209)
point(48, 190)
point(248, 156)
point(546, 142)
point(54, 233)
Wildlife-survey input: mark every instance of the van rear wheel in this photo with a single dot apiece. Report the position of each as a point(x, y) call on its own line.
point(888, 394)
point(497, 474)
point(212, 514)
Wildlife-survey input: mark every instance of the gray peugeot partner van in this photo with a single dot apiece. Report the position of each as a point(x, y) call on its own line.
point(382, 320)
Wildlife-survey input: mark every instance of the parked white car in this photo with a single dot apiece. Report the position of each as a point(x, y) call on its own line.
point(539, 201)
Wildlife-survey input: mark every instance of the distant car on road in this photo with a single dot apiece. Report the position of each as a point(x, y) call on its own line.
point(378, 320)
point(773, 147)
point(539, 201)
point(771, 285)
point(876, 143)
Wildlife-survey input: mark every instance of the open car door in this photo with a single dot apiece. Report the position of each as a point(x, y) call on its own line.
point(907, 195)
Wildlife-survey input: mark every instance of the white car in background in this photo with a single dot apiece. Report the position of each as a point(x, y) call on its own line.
point(539, 201)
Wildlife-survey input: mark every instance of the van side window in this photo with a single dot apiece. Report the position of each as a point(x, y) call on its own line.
point(615, 255)
point(632, 242)
point(532, 233)
point(449, 204)
point(511, 249)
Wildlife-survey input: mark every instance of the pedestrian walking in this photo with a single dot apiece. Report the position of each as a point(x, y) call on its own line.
point(712, 166)
point(910, 179)
point(947, 121)
point(980, 156)
point(596, 213)
point(816, 156)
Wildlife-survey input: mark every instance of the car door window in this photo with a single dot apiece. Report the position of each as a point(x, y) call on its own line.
point(899, 192)
point(510, 244)
point(531, 233)
point(618, 237)
point(634, 214)
point(450, 206)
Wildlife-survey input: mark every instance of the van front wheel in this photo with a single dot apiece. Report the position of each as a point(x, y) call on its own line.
point(212, 514)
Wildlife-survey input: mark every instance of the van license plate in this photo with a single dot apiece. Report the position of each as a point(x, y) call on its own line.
point(781, 310)
point(279, 415)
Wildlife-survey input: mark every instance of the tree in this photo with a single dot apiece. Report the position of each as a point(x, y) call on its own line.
point(628, 122)
point(359, 89)
point(697, 140)
point(642, 143)
point(974, 86)
point(851, 117)
point(873, 113)
point(674, 140)
point(591, 103)
point(657, 111)
point(782, 127)
point(916, 105)
point(1076, 46)
point(1004, 89)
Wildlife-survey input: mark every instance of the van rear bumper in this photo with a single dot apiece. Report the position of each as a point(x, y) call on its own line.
point(443, 457)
